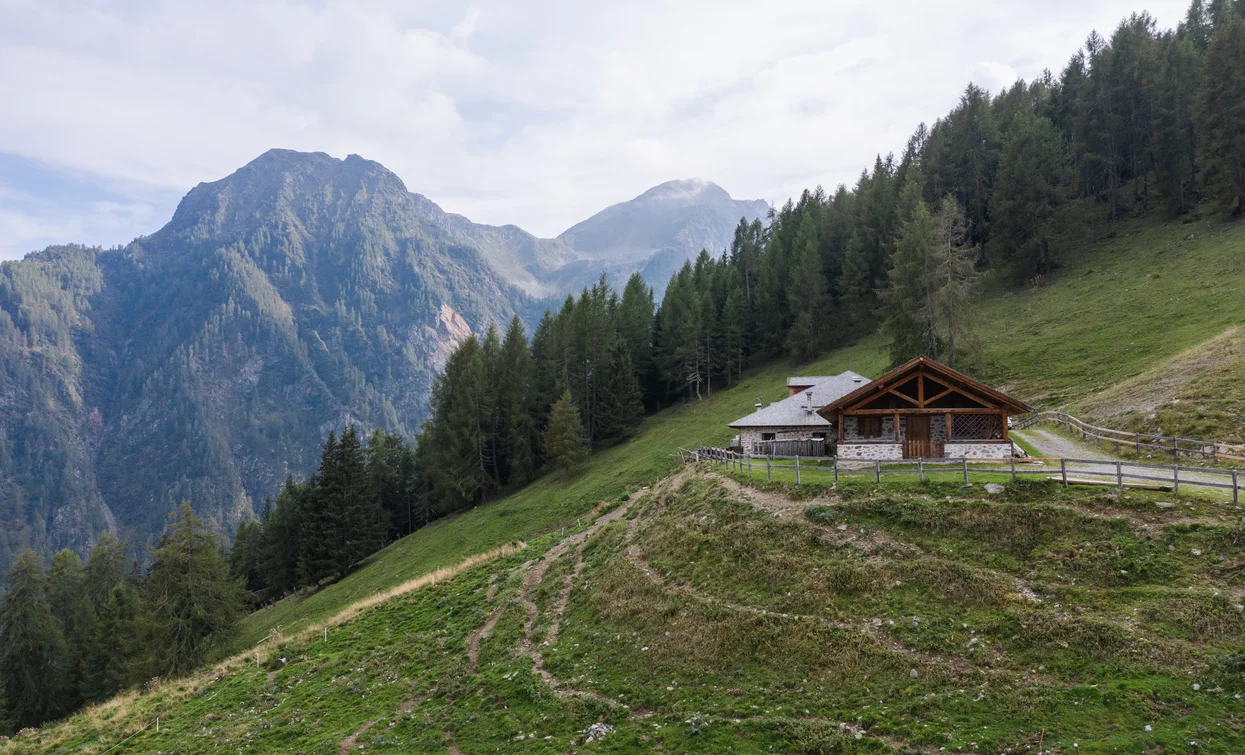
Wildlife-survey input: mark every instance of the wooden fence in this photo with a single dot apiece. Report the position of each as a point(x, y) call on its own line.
point(1119, 474)
point(811, 447)
point(1206, 449)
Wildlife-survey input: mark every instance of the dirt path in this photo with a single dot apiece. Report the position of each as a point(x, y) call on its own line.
point(1056, 446)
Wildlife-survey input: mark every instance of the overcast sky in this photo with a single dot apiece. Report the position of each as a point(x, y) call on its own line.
point(528, 112)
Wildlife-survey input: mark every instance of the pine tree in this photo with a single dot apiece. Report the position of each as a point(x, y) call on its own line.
point(319, 522)
point(32, 647)
point(69, 606)
point(191, 601)
point(953, 285)
point(281, 552)
point(906, 311)
point(635, 325)
point(1221, 114)
point(514, 385)
point(1175, 133)
point(109, 657)
point(245, 557)
point(1029, 187)
point(344, 488)
point(565, 443)
point(453, 445)
point(807, 295)
point(736, 323)
point(621, 408)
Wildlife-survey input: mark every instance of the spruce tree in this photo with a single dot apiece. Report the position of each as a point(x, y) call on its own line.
point(32, 647)
point(1175, 133)
point(907, 317)
point(514, 386)
point(953, 285)
point(71, 609)
point(565, 443)
point(110, 657)
point(1221, 114)
point(319, 523)
point(453, 444)
point(621, 409)
point(1030, 186)
point(281, 552)
point(191, 602)
point(344, 488)
point(105, 567)
point(635, 325)
point(807, 297)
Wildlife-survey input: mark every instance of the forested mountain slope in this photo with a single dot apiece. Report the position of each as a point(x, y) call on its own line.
point(208, 361)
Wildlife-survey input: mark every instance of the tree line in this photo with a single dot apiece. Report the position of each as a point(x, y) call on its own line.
point(78, 633)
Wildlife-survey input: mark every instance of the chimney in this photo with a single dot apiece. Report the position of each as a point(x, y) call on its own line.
point(858, 379)
point(810, 401)
point(758, 404)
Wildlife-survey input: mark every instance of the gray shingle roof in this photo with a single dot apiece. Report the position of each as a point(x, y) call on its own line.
point(793, 411)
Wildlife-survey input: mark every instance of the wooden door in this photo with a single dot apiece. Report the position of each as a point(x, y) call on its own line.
point(917, 444)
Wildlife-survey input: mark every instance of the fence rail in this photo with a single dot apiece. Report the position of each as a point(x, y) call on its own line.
point(1118, 474)
point(1172, 444)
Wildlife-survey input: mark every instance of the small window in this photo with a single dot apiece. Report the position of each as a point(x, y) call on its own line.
point(767, 436)
point(869, 427)
point(819, 436)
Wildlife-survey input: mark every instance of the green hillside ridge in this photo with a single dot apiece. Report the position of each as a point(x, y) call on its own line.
point(1183, 307)
point(707, 615)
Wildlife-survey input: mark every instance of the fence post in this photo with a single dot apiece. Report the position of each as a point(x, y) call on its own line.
point(920, 470)
point(769, 474)
point(1119, 475)
point(877, 470)
point(797, 469)
point(836, 471)
point(1063, 471)
point(1176, 450)
point(749, 466)
point(1013, 460)
point(1176, 479)
point(1236, 493)
point(964, 463)
point(1138, 439)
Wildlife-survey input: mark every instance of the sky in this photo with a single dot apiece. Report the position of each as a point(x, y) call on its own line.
point(517, 111)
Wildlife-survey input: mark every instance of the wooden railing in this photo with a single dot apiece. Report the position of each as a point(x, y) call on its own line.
point(1119, 474)
point(1206, 449)
point(812, 447)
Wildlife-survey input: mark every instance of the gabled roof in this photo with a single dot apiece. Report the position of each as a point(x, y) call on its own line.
point(793, 411)
point(934, 369)
point(809, 380)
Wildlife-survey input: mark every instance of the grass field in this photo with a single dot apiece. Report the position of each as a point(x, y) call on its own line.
point(713, 616)
point(1137, 330)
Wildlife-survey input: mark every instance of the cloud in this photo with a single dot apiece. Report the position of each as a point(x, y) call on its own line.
point(536, 113)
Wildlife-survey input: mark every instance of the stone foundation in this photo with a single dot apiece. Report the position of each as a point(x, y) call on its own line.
point(871, 451)
point(978, 450)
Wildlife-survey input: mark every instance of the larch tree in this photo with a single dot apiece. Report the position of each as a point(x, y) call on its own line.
point(1031, 184)
point(808, 299)
point(191, 602)
point(32, 647)
point(906, 312)
point(954, 281)
point(1221, 114)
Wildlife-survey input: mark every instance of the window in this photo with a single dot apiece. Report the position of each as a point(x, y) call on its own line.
point(767, 436)
point(819, 436)
point(869, 427)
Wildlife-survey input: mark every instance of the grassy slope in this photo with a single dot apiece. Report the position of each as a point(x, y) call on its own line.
point(919, 619)
point(1097, 324)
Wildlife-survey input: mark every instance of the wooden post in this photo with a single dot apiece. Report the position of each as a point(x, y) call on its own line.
point(1138, 443)
point(797, 469)
point(842, 422)
point(836, 470)
point(1063, 470)
point(1236, 493)
point(769, 474)
point(1119, 475)
point(946, 427)
point(749, 466)
point(877, 470)
point(1007, 436)
point(964, 462)
point(1013, 460)
point(1176, 479)
point(1176, 451)
point(920, 470)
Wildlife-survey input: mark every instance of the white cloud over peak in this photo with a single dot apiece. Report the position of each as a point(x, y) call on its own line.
point(537, 113)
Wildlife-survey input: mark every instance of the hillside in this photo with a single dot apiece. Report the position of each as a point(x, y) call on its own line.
point(1188, 308)
point(703, 614)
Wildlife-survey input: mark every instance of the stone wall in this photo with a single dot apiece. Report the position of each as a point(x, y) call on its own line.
point(750, 436)
point(851, 432)
point(871, 451)
point(978, 450)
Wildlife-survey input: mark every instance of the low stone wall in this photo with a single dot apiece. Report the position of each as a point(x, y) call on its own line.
point(871, 451)
point(751, 436)
point(978, 450)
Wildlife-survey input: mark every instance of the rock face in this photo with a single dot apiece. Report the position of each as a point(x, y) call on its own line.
point(209, 360)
